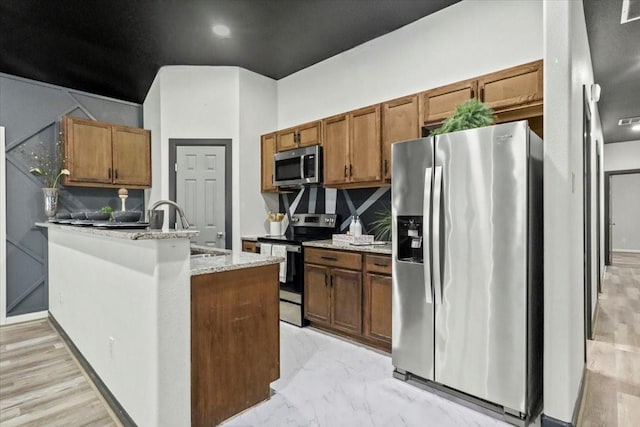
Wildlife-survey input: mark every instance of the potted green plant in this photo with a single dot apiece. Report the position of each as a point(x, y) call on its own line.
point(468, 115)
point(381, 226)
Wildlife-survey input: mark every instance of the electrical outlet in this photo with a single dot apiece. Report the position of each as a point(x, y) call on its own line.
point(112, 342)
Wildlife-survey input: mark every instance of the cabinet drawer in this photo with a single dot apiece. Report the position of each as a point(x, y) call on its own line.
point(349, 260)
point(248, 246)
point(378, 264)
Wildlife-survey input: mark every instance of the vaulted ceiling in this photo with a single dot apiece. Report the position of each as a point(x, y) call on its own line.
point(116, 47)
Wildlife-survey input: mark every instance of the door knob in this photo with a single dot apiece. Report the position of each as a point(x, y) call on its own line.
point(220, 235)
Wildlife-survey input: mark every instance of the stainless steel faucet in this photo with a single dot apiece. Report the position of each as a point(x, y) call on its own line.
point(183, 218)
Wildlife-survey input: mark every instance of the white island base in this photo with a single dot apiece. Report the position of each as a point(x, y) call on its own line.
point(125, 305)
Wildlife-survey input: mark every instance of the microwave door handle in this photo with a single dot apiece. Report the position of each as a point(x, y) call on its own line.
point(302, 166)
point(437, 201)
point(426, 235)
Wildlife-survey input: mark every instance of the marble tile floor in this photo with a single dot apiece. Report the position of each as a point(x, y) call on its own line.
point(612, 378)
point(325, 381)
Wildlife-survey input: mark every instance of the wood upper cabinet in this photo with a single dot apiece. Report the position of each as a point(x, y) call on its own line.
point(440, 103)
point(401, 121)
point(365, 145)
point(299, 136)
point(352, 148)
point(267, 150)
point(513, 87)
point(377, 299)
point(131, 150)
point(336, 149)
point(87, 149)
point(101, 154)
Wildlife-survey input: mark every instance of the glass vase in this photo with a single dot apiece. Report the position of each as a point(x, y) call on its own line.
point(50, 201)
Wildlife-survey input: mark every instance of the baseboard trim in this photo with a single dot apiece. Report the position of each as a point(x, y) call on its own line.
point(111, 400)
point(631, 251)
point(547, 421)
point(28, 317)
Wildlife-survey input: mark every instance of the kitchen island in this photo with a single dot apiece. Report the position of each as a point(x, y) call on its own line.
point(159, 329)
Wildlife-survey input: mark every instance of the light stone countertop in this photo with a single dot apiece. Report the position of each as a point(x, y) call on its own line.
point(132, 234)
point(225, 260)
point(328, 244)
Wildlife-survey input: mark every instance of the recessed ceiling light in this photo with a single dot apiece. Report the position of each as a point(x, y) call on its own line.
point(636, 128)
point(221, 30)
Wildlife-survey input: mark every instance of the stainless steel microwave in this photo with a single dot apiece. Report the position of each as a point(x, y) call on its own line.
point(294, 168)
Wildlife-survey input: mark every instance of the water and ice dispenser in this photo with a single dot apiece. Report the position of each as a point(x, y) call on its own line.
point(410, 242)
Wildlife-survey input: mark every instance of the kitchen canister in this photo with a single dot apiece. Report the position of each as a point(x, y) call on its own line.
point(275, 228)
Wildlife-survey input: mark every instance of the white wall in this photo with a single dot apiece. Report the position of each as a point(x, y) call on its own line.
point(622, 156)
point(625, 211)
point(567, 66)
point(204, 102)
point(462, 41)
point(258, 97)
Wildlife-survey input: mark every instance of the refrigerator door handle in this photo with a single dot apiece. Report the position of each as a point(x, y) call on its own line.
point(426, 235)
point(435, 248)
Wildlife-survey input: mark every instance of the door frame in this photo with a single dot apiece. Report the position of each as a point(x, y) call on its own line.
point(3, 230)
point(607, 210)
point(586, 217)
point(174, 143)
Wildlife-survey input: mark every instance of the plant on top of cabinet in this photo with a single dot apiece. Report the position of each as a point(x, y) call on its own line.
point(101, 154)
point(299, 136)
point(468, 115)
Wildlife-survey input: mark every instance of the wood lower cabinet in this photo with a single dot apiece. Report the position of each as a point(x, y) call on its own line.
point(249, 246)
point(101, 154)
point(235, 334)
point(401, 121)
point(267, 150)
point(333, 292)
point(349, 293)
point(377, 299)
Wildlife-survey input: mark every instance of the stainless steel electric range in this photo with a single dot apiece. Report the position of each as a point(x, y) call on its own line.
point(302, 228)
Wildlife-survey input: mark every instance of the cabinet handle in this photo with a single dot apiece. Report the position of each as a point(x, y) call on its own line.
point(116, 172)
point(329, 258)
point(380, 265)
point(331, 280)
point(473, 95)
point(326, 282)
point(345, 171)
point(351, 171)
point(386, 166)
point(482, 94)
point(109, 173)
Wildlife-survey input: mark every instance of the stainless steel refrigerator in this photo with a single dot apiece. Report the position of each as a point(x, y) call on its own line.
point(467, 266)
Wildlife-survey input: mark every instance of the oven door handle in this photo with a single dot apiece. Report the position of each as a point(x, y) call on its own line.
point(290, 248)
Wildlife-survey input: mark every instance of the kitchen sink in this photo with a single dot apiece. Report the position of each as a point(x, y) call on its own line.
point(204, 256)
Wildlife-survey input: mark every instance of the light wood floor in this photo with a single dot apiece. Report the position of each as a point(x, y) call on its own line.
point(42, 384)
point(612, 380)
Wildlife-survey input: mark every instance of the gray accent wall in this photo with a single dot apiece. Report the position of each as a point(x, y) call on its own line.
point(31, 111)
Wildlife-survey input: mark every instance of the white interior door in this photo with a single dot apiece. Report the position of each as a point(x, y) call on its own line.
point(200, 190)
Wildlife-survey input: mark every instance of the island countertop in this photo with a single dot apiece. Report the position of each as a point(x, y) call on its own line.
point(131, 234)
point(206, 260)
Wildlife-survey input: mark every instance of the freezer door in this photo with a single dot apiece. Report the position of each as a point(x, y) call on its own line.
point(480, 342)
point(412, 300)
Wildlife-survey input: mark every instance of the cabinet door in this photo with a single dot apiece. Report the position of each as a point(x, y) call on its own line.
point(131, 156)
point(267, 149)
point(88, 151)
point(317, 294)
point(310, 134)
point(512, 87)
point(400, 122)
point(286, 140)
point(377, 310)
point(336, 150)
point(346, 300)
point(440, 103)
point(365, 145)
